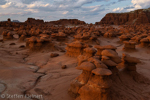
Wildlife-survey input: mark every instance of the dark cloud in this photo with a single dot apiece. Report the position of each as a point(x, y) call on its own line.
point(2, 2)
point(75, 3)
point(28, 1)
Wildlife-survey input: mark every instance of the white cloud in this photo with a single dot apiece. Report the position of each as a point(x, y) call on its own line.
point(64, 13)
point(94, 9)
point(32, 10)
point(7, 5)
point(117, 9)
point(31, 5)
point(38, 4)
point(135, 7)
point(141, 3)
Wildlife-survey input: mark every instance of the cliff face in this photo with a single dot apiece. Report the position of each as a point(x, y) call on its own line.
point(67, 22)
point(141, 16)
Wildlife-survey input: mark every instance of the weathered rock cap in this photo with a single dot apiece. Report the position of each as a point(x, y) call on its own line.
point(144, 40)
point(88, 66)
point(110, 47)
point(107, 61)
point(89, 50)
point(129, 42)
point(62, 34)
point(44, 35)
point(105, 47)
point(32, 39)
point(130, 59)
point(105, 58)
point(102, 71)
point(99, 47)
point(109, 53)
point(97, 63)
point(148, 37)
point(77, 44)
point(39, 40)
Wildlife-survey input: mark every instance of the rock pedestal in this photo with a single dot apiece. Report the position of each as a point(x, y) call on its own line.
point(75, 49)
point(129, 45)
point(130, 62)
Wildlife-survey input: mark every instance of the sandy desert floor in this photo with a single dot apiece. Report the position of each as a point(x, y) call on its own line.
point(24, 72)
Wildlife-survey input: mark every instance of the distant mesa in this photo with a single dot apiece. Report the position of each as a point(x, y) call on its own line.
point(140, 16)
point(16, 21)
point(34, 21)
point(58, 22)
point(67, 22)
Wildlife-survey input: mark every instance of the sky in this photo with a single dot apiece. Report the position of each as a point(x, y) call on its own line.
point(90, 11)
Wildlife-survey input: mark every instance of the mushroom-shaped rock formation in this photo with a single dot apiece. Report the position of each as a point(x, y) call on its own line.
point(109, 34)
point(97, 63)
point(130, 62)
point(81, 58)
point(75, 49)
point(125, 37)
point(101, 48)
point(22, 38)
point(86, 37)
point(31, 43)
point(7, 35)
point(98, 85)
point(101, 71)
point(110, 47)
point(109, 53)
point(111, 59)
point(144, 42)
point(59, 36)
point(82, 79)
point(106, 60)
point(148, 38)
point(112, 55)
point(39, 43)
point(88, 66)
point(89, 52)
point(139, 37)
point(129, 45)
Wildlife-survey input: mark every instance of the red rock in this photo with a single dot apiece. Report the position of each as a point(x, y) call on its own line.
point(54, 55)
